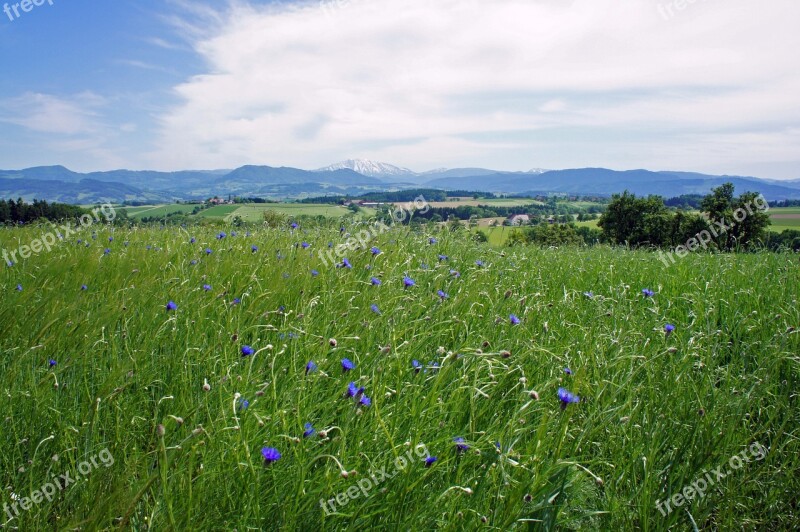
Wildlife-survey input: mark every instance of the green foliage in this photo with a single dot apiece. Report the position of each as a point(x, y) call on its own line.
point(656, 413)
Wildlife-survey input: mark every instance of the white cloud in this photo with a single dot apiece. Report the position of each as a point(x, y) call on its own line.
point(408, 80)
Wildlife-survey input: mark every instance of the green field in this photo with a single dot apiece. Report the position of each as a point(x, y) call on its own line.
point(175, 411)
point(255, 212)
point(157, 210)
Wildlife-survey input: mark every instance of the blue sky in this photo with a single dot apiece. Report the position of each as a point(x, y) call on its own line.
point(707, 86)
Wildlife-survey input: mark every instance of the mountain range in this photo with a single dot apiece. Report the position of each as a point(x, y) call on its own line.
point(358, 176)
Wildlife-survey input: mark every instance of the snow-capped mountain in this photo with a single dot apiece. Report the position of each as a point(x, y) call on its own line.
point(537, 171)
point(369, 168)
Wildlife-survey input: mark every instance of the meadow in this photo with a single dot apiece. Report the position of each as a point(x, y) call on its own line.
point(427, 383)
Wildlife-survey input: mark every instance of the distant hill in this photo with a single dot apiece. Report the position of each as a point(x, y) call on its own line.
point(57, 183)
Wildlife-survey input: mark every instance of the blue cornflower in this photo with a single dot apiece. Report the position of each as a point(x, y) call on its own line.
point(309, 430)
point(270, 455)
point(106, 251)
point(416, 365)
point(192, 240)
point(244, 404)
point(588, 295)
point(567, 398)
point(209, 251)
point(479, 263)
point(365, 401)
point(408, 281)
point(647, 292)
point(193, 262)
point(432, 240)
point(311, 367)
point(375, 281)
point(254, 248)
point(19, 288)
point(148, 247)
point(111, 239)
point(460, 445)
point(52, 363)
point(84, 287)
point(233, 233)
point(305, 245)
point(347, 364)
point(375, 308)
point(345, 264)
point(429, 461)
point(375, 250)
point(568, 371)
point(294, 225)
point(455, 273)
point(207, 287)
point(247, 350)
point(513, 319)
point(668, 328)
point(442, 258)
point(314, 273)
point(236, 301)
point(352, 389)
point(172, 306)
point(442, 294)
point(221, 236)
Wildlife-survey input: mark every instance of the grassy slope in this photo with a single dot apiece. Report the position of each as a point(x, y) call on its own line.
point(125, 365)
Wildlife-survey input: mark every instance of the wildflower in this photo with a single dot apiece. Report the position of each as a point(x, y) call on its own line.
point(460, 445)
point(442, 294)
point(19, 288)
point(254, 248)
point(332, 342)
point(221, 236)
point(375, 309)
point(442, 258)
point(245, 403)
point(111, 239)
point(375, 251)
point(236, 301)
point(568, 371)
point(314, 273)
point(172, 306)
point(408, 281)
point(513, 319)
point(309, 430)
point(233, 233)
point(365, 401)
point(429, 461)
point(52, 363)
point(479, 263)
point(209, 251)
point(270, 455)
point(432, 241)
point(567, 398)
point(647, 292)
point(207, 287)
point(107, 251)
point(247, 350)
point(84, 287)
point(375, 281)
point(305, 245)
point(294, 225)
point(352, 389)
point(192, 240)
point(310, 367)
point(345, 264)
point(455, 273)
point(193, 262)
point(588, 295)
point(347, 364)
point(416, 365)
point(668, 328)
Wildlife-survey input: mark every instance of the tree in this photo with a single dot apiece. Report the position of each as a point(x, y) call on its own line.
point(737, 222)
point(636, 221)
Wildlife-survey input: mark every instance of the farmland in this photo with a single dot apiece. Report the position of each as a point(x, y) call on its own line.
point(216, 370)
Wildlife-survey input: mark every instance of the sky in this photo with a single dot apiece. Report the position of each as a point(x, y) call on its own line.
point(706, 85)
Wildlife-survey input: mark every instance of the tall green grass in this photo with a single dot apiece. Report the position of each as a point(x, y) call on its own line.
point(656, 411)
